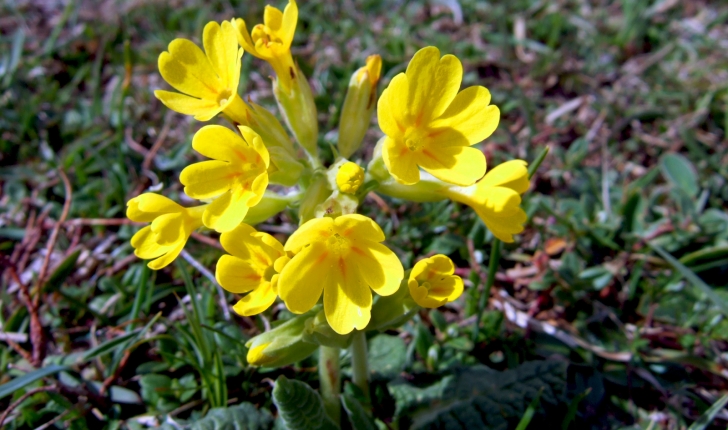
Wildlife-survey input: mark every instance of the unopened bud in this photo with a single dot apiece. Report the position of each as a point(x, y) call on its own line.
point(282, 345)
point(361, 99)
point(349, 178)
point(298, 109)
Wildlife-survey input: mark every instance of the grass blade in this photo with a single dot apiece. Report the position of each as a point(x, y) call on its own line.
point(692, 278)
point(21, 381)
point(705, 419)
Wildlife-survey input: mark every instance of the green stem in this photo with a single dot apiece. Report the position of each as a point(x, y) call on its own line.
point(359, 367)
point(330, 381)
point(492, 268)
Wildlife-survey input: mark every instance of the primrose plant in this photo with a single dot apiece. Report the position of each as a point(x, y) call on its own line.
point(335, 272)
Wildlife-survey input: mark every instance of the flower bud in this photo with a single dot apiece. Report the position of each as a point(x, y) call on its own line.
point(358, 106)
point(298, 109)
point(282, 345)
point(349, 178)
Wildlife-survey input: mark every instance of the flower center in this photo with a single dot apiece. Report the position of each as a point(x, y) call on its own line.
point(338, 244)
point(224, 96)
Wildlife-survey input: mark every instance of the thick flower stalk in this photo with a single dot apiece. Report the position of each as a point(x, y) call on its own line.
point(208, 82)
point(432, 282)
point(271, 41)
point(235, 179)
point(497, 198)
point(171, 226)
point(343, 259)
point(430, 125)
point(253, 267)
point(356, 114)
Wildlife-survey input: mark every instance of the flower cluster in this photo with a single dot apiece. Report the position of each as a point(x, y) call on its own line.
point(335, 269)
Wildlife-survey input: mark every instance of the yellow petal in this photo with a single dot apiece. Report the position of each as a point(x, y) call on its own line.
point(433, 84)
point(392, 106)
point(457, 290)
point(167, 258)
point(358, 227)
point(244, 39)
point(379, 267)
point(227, 211)
point(512, 174)
point(288, 26)
point(456, 164)
point(207, 179)
point(501, 213)
point(169, 229)
point(187, 69)
point(400, 161)
point(145, 246)
point(221, 47)
point(257, 301)
point(236, 240)
point(469, 119)
point(421, 295)
point(237, 275)
point(255, 142)
point(252, 247)
point(201, 109)
point(221, 143)
point(347, 299)
point(273, 18)
point(301, 283)
point(311, 231)
point(146, 207)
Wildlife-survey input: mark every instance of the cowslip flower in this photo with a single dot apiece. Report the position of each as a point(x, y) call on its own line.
point(497, 198)
point(343, 259)
point(208, 82)
point(356, 114)
point(428, 124)
point(235, 179)
point(171, 226)
point(271, 41)
point(432, 283)
point(252, 267)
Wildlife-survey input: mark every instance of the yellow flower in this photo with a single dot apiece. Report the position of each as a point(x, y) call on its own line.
point(430, 125)
point(349, 177)
point(432, 283)
point(272, 40)
point(208, 80)
point(171, 226)
point(497, 198)
point(341, 258)
point(356, 114)
point(253, 268)
point(235, 179)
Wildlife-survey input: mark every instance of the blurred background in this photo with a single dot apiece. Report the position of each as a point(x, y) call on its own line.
point(621, 272)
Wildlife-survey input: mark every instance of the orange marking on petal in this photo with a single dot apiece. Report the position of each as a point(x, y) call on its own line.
point(429, 154)
point(358, 251)
point(321, 258)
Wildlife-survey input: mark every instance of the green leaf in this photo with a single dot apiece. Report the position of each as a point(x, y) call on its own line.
point(244, 416)
point(692, 278)
point(30, 377)
point(705, 419)
point(358, 417)
point(299, 406)
point(387, 356)
point(479, 397)
point(680, 172)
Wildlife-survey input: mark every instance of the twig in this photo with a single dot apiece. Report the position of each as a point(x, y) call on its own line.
point(55, 419)
point(206, 240)
point(149, 156)
point(206, 273)
point(23, 398)
point(54, 236)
